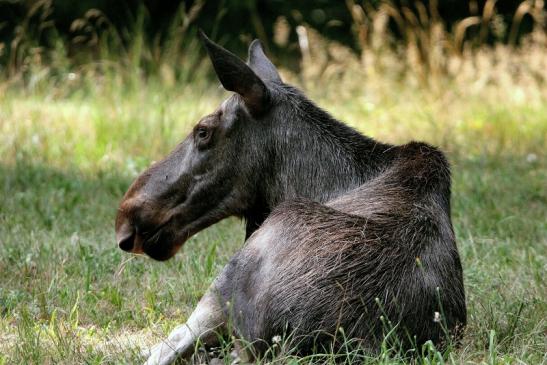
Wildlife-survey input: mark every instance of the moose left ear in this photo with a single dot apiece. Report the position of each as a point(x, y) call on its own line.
point(260, 64)
point(236, 76)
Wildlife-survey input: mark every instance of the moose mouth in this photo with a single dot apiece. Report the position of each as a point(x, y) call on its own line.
point(159, 243)
point(165, 241)
point(163, 244)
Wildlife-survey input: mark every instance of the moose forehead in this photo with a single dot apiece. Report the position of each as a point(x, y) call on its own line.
point(228, 111)
point(228, 104)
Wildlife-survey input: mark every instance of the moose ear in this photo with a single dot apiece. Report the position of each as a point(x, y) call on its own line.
point(236, 76)
point(260, 64)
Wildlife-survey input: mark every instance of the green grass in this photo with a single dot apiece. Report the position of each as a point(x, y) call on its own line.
point(69, 295)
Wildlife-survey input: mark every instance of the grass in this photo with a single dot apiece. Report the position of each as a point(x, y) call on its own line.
point(68, 295)
point(71, 143)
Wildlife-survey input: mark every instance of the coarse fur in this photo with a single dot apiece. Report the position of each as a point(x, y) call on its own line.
point(341, 231)
point(384, 250)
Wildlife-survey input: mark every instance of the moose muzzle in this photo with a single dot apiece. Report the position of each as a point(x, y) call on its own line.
point(127, 236)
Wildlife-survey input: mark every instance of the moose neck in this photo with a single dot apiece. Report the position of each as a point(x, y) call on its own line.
point(313, 156)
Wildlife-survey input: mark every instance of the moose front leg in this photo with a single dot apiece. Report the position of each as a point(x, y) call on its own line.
point(205, 324)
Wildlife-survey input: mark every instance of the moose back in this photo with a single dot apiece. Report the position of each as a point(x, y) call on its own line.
point(342, 231)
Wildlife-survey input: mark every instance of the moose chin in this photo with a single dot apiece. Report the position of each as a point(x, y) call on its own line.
point(342, 231)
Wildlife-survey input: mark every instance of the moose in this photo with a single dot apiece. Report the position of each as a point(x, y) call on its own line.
point(342, 231)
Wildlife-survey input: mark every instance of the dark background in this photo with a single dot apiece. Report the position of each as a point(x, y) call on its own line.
point(231, 22)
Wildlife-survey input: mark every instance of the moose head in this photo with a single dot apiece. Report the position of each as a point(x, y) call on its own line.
point(205, 178)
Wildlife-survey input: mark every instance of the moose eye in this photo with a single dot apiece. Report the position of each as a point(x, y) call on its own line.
point(203, 132)
point(203, 137)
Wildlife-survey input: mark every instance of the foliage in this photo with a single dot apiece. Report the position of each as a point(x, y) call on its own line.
point(144, 38)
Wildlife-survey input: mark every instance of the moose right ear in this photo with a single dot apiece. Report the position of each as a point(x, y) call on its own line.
point(236, 76)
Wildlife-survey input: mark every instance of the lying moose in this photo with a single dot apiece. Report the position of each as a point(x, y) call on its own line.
point(342, 231)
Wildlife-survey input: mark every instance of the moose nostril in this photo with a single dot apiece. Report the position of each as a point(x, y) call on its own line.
point(127, 242)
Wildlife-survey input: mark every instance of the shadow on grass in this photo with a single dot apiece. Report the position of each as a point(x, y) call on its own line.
point(42, 196)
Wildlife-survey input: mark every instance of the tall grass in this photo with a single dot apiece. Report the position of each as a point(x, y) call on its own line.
point(76, 129)
point(98, 53)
